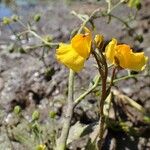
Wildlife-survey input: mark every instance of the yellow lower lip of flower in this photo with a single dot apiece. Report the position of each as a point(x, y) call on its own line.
point(124, 57)
point(74, 55)
point(68, 56)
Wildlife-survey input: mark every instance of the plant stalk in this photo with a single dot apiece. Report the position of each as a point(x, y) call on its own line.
point(103, 70)
point(61, 143)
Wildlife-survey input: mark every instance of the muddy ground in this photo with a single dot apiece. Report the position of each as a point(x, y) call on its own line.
point(24, 80)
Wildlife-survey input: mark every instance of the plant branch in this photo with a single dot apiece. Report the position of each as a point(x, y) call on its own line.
point(28, 30)
point(43, 40)
point(79, 99)
point(124, 78)
point(103, 74)
point(113, 7)
point(112, 77)
point(61, 143)
point(88, 19)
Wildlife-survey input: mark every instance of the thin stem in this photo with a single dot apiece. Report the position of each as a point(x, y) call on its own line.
point(21, 23)
point(102, 117)
point(28, 30)
point(61, 143)
point(79, 99)
point(112, 77)
point(115, 6)
point(77, 15)
point(26, 49)
point(109, 6)
point(86, 20)
point(103, 74)
point(121, 20)
point(103, 98)
point(44, 41)
point(123, 78)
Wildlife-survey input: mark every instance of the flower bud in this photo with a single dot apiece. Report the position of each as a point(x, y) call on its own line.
point(15, 18)
point(35, 115)
point(139, 38)
point(98, 40)
point(17, 109)
point(37, 17)
point(48, 38)
point(52, 114)
point(6, 21)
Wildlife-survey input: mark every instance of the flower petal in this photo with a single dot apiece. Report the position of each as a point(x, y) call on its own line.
point(82, 44)
point(110, 50)
point(130, 60)
point(137, 61)
point(122, 55)
point(69, 57)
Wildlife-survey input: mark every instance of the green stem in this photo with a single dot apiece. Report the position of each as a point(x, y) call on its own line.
point(86, 20)
point(44, 41)
point(115, 6)
point(109, 6)
point(121, 20)
point(61, 143)
point(124, 78)
point(77, 15)
point(28, 30)
point(79, 99)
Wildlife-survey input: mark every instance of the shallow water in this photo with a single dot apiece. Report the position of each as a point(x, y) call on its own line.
point(8, 7)
point(4, 11)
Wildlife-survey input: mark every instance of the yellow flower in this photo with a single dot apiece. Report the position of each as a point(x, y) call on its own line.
point(67, 55)
point(123, 56)
point(74, 55)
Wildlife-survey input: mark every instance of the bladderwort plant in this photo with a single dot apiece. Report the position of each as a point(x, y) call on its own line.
point(74, 55)
point(85, 44)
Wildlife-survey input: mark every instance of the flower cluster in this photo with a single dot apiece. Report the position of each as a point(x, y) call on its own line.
point(74, 55)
